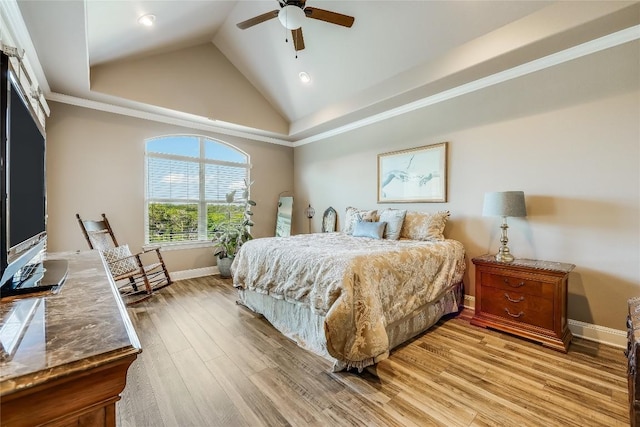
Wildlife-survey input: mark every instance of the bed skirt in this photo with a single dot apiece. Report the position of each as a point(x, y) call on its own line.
point(306, 328)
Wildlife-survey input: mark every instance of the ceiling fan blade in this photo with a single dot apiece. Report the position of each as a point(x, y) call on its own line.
point(257, 19)
point(298, 40)
point(328, 16)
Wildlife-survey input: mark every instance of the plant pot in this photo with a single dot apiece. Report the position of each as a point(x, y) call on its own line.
point(224, 266)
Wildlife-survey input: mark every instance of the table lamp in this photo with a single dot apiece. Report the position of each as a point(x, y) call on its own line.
point(504, 204)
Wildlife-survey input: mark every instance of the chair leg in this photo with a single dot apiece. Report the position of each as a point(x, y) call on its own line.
point(164, 268)
point(147, 285)
point(134, 299)
point(134, 285)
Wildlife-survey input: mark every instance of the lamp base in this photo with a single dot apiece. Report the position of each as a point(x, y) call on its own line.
point(504, 257)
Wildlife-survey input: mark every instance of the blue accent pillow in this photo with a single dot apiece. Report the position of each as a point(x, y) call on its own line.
point(375, 230)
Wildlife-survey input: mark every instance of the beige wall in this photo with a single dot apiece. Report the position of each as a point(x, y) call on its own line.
point(95, 164)
point(569, 137)
point(199, 80)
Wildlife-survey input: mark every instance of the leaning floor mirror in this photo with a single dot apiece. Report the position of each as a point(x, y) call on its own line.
point(283, 219)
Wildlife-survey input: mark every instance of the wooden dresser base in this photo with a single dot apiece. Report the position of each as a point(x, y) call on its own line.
point(86, 398)
point(558, 342)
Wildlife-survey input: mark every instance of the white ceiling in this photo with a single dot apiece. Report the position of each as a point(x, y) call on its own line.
point(352, 69)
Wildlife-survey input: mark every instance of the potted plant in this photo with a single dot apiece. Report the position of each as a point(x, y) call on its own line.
point(230, 234)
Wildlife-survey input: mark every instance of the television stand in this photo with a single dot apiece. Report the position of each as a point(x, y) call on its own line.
point(73, 368)
point(45, 276)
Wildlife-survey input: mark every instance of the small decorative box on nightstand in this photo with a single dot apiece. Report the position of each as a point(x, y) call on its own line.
point(525, 297)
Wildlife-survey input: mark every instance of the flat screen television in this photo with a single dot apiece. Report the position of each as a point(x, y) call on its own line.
point(23, 190)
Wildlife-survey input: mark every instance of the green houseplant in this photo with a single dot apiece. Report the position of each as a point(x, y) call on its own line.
point(234, 231)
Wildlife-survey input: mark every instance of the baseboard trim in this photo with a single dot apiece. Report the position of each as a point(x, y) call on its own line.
point(601, 334)
point(588, 331)
point(194, 273)
point(469, 302)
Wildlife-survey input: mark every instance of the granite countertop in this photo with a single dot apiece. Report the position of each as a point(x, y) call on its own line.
point(84, 325)
point(529, 263)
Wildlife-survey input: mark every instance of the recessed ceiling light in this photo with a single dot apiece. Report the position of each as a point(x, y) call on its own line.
point(304, 77)
point(147, 20)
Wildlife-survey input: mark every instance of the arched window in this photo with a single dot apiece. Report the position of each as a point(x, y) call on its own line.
point(187, 178)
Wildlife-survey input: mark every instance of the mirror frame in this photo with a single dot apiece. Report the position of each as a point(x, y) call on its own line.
point(284, 216)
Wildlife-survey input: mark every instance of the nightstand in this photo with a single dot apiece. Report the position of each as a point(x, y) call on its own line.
point(525, 297)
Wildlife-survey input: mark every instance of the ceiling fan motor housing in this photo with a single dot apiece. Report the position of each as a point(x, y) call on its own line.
point(291, 17)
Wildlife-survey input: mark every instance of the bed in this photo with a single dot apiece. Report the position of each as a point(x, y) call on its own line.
point(347, 297)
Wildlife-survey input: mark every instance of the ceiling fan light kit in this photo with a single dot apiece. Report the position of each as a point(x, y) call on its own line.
point(292, 14)
point(291, 17)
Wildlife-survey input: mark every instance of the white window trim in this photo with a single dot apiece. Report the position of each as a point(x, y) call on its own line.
point(203, 241)
point(176, 246)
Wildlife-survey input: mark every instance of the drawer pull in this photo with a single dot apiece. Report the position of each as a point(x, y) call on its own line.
point(516, 285)
point(506, 295)
point(514, 315)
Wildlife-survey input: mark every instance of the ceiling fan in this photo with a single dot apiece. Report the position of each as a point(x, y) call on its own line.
point(292, 14)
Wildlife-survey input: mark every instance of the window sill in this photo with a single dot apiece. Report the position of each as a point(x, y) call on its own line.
point(178, 246)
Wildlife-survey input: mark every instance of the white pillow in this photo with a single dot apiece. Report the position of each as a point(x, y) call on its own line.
point(355, 215)
point(119, 260)
point(394, 219)
point(375, 230)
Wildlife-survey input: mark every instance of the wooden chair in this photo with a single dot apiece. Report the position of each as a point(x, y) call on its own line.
point(135, 280)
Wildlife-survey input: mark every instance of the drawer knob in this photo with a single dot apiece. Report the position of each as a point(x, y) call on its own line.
point(506, 295)
point(514, 315)
point(513, 285)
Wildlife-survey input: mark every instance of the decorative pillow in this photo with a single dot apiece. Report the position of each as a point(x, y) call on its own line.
point(355, 215)
point(101, 240)
point(424, 226)
point(375, 230)
point(119, 260)
point(394, 219)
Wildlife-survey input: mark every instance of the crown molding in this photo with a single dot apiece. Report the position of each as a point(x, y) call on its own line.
point(584, 49)
point(142, 111)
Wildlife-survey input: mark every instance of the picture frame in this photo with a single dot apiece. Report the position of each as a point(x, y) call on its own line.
point(415, 175)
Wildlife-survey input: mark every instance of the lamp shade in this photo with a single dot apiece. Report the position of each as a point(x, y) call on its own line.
point(504, 203)
point(291, 17)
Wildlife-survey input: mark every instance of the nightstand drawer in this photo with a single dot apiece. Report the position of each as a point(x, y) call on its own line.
point(518, 307)
point(518, 284)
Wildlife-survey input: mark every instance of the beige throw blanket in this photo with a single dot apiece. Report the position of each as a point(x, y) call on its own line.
point(360, 285)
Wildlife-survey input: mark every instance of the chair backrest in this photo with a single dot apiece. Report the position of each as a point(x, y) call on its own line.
point(99, 234)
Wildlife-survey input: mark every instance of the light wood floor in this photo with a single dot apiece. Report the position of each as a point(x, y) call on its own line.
point(209, 362)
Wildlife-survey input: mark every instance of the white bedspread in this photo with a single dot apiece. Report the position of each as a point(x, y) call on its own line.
point(359, 284)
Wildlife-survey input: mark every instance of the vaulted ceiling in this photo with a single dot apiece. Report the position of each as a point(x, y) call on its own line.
point(396, 53)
